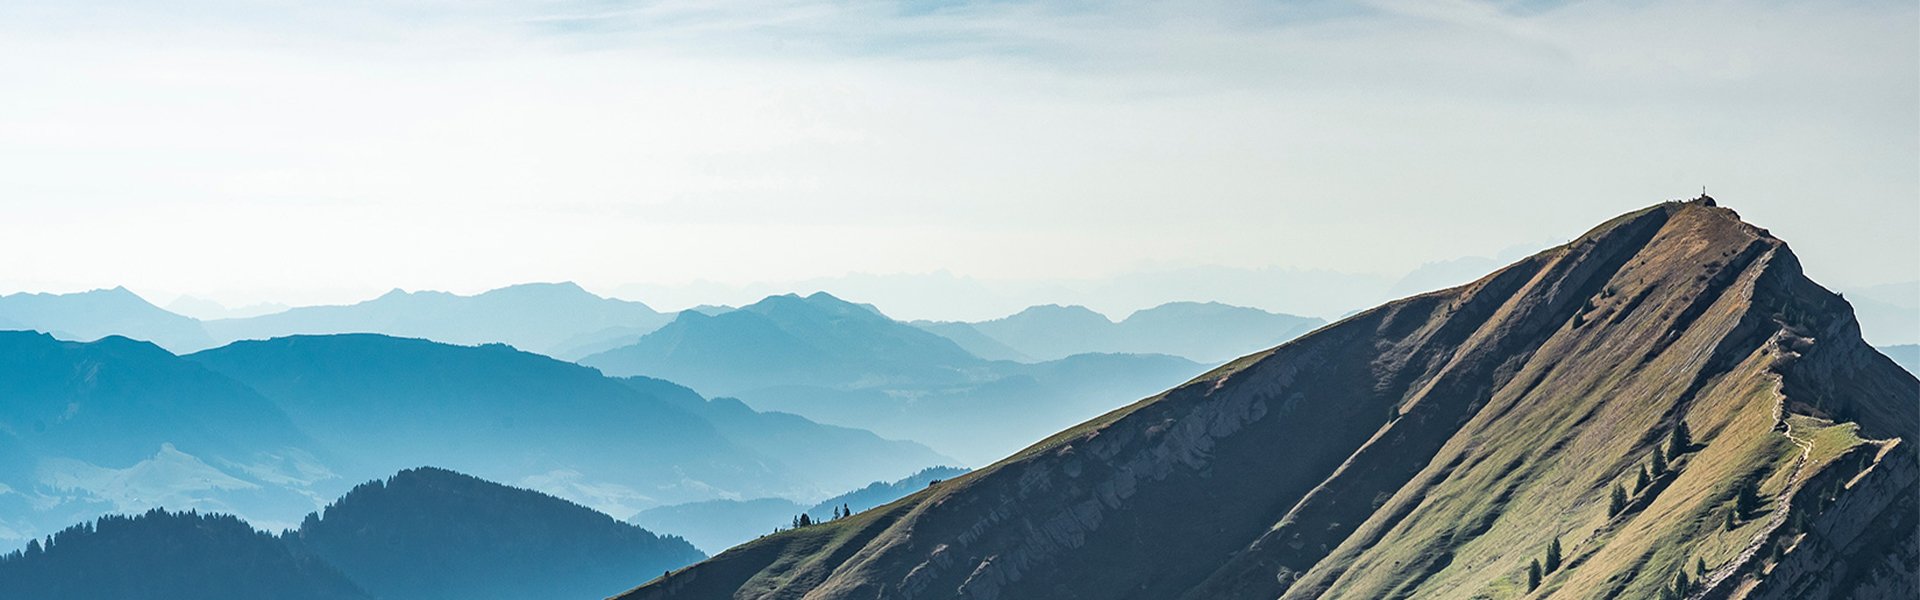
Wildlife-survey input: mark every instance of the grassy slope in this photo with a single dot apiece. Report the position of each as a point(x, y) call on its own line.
point(1522, 398)
point(1547, 453)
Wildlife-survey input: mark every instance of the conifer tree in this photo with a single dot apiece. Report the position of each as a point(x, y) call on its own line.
point(1533, 575)
point(1659, 466)
point(1747, 500)
point(1641, 480)
point(1617, 501)
point(1553, 555)
point(1679, 439)
point(1699, 568)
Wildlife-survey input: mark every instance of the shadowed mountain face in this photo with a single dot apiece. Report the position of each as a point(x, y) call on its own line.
point(1208, 332)
point(1436, 446)
point(539, 317)
point(428, 534)
point(120, 425)
point(162, 555)
point(88, 316)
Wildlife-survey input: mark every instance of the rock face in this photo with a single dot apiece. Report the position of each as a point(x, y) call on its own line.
point(1437, 446)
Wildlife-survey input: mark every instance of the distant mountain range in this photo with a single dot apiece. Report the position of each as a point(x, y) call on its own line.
point(88, 316)
point(1907, 355)
point(818, 340)
point(424, 534)
point(715, 525)
point(523, 418)
point(1207, 332)
point(849, 364)
point(539, 317)
point(827, 457)
point(1889, 313)
point(269, 430)
point(120, 425)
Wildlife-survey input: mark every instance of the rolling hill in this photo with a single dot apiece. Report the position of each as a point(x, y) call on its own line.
point(1445, 446)
point(423, 534)
point(162, 555)
point(433, 534)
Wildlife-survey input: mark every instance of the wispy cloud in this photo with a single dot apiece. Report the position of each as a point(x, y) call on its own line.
point(353, 147)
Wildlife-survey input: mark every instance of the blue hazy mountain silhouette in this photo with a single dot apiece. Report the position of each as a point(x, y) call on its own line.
point(122, 425)
point(1200, 331)
point(1907, 355)
point(882, 492)
point(119, 425)
point(787, 340)
point(1002, 410)
point(973, 341)
point(88, 316)
point(716, 525)
point(526, 419)
point(844, 363)
point(434, 534)
point(829, 457)
point(423, 534)
point(167, 555)
point(540, 317)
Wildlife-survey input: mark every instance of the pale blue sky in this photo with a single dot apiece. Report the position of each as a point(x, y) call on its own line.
point(325, 152)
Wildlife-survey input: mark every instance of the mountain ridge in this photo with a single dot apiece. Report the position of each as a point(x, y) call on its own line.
point(95, 314)
point(1436, 444)
point(539, 317)
point(424, 533)
point(429, 533)
point(1208, 332)
point(528, 419)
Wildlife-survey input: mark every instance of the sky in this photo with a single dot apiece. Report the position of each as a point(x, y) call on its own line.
point(703, 151)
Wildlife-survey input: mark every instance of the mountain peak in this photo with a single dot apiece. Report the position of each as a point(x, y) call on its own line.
point(559, 289)
point(1436, 444)
point(1058, 311)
